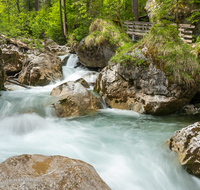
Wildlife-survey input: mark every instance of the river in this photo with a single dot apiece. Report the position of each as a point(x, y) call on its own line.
point(126, 148)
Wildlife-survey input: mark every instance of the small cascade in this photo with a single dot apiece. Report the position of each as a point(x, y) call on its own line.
point(103, 103)
point(72, 61)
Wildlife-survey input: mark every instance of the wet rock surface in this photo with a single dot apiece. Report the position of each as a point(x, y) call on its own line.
point(73, 99)
point(48, 172)
point(186, 143)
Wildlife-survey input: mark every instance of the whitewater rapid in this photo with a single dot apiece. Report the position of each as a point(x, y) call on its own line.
point(126, 148)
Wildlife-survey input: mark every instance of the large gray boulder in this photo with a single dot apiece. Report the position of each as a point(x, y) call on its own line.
point(143, 88)
point(186, 143)
point(48, 172)
point(73, 99)
point(95, 56)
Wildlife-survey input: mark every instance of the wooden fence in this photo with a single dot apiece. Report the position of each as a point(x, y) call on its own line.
point(137, 30)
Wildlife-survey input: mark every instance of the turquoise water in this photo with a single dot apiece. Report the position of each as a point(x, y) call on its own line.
point(126, 148)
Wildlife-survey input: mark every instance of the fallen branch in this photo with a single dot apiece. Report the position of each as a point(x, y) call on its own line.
point(19, 44)
point(17, 83)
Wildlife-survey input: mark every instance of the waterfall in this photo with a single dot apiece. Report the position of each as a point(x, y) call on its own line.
point(72, 61)
point(103, 103)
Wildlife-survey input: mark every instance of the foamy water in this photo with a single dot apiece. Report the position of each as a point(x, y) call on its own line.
point(126, 148)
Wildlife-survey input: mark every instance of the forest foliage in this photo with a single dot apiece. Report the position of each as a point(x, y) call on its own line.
point(23, 18)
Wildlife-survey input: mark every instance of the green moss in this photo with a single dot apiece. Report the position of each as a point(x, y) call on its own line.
point(106, 32)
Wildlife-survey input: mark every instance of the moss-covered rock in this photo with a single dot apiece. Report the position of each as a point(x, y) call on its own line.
point(142, 86)
point(101, 44)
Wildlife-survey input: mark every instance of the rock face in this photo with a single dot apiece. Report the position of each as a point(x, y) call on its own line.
point(73, 99)
point(186, 143)
point(94, 56)
point(141, 88)
point(2, 72)
point(48, 172)
point(41, 70)
point(12, 60)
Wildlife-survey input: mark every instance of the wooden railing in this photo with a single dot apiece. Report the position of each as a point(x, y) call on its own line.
point(137, 30)
point(186, 31)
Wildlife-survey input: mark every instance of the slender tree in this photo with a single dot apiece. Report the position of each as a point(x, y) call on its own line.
point(118, 8)
point(64, 18)
point(135, 10)
point(36, 5)
point(17, 3)
point(61, 20)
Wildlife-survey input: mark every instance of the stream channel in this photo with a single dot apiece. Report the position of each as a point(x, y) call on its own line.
point(127, 149)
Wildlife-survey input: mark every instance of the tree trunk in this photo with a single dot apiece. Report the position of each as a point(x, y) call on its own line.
point(36, 5)
point(118, 8)
point(64, 18)
point(177, 4)
point(132, 10)
point(17, 2)
point(135, 10)
point(61, 21)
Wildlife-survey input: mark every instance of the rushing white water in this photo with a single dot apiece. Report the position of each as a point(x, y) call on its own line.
point(126, 148)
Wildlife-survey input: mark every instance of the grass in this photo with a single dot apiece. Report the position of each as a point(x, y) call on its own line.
point(168, 49)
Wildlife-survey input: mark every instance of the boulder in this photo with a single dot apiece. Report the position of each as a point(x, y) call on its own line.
point(13, 61)
point(143, 88)
point(186, 143)
point(41, 70)
point(100, 45)
point(73, 99)
point(48, 172)
point(94, 56)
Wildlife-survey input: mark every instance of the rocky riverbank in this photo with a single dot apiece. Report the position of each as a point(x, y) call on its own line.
point(34, 65)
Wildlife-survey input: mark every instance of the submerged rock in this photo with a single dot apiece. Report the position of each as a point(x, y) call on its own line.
point(143, 88)
point(186, 143)
point(73, 99)
point(41, 70)
point(48, 172)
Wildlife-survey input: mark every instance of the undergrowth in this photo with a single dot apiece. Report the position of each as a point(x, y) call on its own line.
point(167, 48)
point(168, 52)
